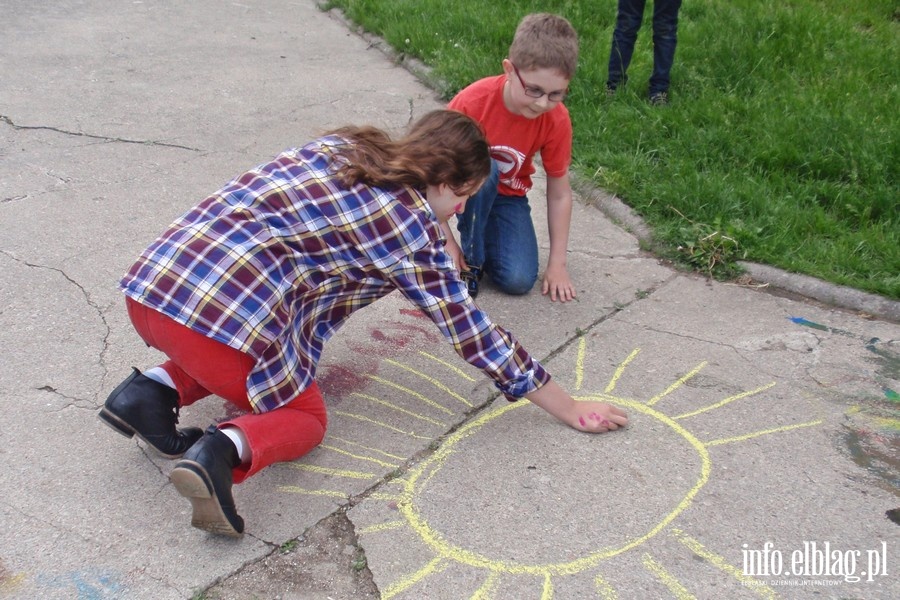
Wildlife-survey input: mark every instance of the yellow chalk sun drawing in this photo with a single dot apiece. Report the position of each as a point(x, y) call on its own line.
point(447, 547)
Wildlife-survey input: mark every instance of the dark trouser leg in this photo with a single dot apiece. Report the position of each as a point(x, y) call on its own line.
point(665, 28)
point(628, 22)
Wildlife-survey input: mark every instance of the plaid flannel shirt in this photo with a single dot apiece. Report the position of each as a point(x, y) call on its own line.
point(275, 262)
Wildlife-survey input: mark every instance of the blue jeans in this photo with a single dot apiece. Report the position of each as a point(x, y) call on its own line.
point(665, 27)
point(496, 234)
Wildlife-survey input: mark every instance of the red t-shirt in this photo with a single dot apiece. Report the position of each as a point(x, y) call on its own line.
point(515, 139)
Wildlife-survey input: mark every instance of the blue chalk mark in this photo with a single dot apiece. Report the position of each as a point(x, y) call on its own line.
point(89, 584)
point(820, 327)
point(805, 323)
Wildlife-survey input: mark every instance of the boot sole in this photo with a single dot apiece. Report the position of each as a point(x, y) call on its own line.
point(190, 479)
point(120, 426)
point(117, 424)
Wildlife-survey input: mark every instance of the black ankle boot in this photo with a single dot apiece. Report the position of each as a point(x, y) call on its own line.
point(146, 408)
point(471, 278)
point(204, 477)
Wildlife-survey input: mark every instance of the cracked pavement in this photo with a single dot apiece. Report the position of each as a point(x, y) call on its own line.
point(758, 417)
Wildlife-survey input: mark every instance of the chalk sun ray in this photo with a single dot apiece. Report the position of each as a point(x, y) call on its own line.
point(293, 489)
point(382, 527)
point(412, 393)
point(667, 579)
point(741, 438)
point(430, 380)
point(677, 384)
point(398, 408)
point(385, 497)
point(380, 424)
point(723, 565)
point(331, 472)
point(450, 366)
point(358, 457)
point(604, 590)
point(358, 445)
point(620, 370)
point(433, 567)
point(579, 363)
point(547, 590)
point(725, 401)
point(488, 588)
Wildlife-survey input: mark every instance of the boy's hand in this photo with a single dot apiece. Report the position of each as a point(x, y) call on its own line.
point(558, 284)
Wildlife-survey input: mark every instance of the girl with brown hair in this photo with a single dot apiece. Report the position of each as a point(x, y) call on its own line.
point(243, 290)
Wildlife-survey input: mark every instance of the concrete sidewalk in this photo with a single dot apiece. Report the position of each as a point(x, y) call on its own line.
point(764, 433)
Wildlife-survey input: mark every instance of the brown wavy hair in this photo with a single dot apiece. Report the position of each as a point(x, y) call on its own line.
point(441, 147)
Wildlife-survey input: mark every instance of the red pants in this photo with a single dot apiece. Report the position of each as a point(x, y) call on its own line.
point(201, 366)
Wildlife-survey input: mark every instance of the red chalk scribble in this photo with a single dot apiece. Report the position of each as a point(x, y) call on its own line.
point(413, 312)
point(339, 381)
point(394, 337)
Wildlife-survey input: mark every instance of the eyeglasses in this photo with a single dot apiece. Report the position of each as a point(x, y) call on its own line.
point(536, 92)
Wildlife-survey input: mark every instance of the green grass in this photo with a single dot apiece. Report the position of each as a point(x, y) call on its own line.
point(781, 144)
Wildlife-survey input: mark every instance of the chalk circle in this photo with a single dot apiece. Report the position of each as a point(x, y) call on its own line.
point(407, 505)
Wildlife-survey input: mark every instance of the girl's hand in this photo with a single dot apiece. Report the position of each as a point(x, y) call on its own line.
point(597, 417)
point(459, 259)
point(453, 249)
point(589, 415)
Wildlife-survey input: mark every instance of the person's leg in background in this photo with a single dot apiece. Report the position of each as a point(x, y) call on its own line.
point(665, 38)
point(511, 248)
point(628, 22)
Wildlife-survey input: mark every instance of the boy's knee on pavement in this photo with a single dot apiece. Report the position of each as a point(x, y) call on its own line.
point(514, 283)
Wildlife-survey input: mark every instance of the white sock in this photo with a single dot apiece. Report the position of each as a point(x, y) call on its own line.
point(159, 375)
point(240, 442)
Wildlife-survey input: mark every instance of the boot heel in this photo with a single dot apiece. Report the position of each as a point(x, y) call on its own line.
point(115, 423)
point(206, 512)
point(189, 483)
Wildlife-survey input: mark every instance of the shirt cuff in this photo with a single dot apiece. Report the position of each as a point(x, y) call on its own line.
point(529, 381)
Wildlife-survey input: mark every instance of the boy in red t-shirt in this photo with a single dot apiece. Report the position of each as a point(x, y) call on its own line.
point(521, 113)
